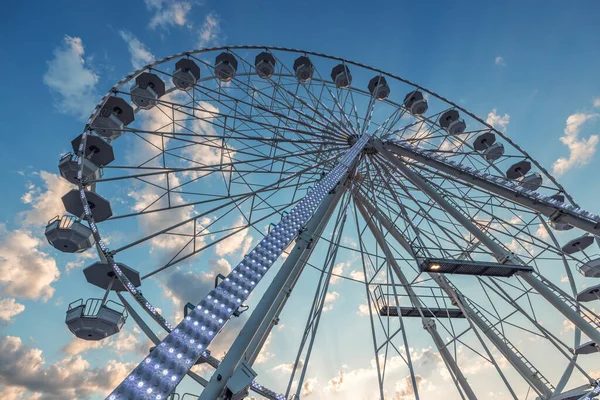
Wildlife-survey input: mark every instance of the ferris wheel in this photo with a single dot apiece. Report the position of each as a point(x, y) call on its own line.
point(462, 239)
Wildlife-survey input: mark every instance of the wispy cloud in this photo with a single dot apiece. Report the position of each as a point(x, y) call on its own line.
point(168, 12)
point(497, 121)
point(139, 52)
point(597, 102)
point(71, 80)
point(8, 309)
point(210, 33)
point(500, 61)
point(581, 150)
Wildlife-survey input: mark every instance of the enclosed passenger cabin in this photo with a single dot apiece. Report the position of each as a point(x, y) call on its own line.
point(265, 65)
point(341, 76)
point(490, 149)
point(415, 103)
point(95, 320)
point(113, 117)
point(225, 67)
point(303, 68)
point(146, 91)
point(96, 150)
point(69, 169)
point(451, 122)
point(69, 235)
point(379, 88)
point(186, 74)
point(99, 206)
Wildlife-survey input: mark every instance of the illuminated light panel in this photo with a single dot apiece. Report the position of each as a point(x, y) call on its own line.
point(476, 268)
point(208, 317)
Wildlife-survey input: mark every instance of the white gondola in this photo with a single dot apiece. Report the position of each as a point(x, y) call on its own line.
point(378, 87)
point(265, 65)
point(95, 319)
point(69, 168)
point(186, 74)
point(68, 234)
point(341, 76)
point(586, 348)
point(532, 181)
point(146, 91)
point(415, 103)
point(114, 116)
point(225, 67)
point(96, 150)
point(99, 206)
point(303, 69)
point(494, 152)
point(589, 294)
point(451, 122)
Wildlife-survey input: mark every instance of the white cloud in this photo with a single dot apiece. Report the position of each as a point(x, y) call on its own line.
point(542, 232)
point(497, 121)
point(338, 269)
point(210, 32)
point(25, 271)
point(45, 201)
point(168, 12)
point(581, 151)
point(330, 298)
point(140, 54)
point(24, 370)
point(597, 102)
point(238, 243)
point(363, 310)
point(500, 61)
point(71, 79)
point(357, 275)
point(8, 309)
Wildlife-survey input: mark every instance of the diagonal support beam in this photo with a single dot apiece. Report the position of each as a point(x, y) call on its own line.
point(428, 323)
point(160, 372)
point(545, 205)
point(274, 297)
point(561, 301)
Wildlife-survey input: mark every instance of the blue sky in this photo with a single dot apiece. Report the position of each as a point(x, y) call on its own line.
point(529, 68)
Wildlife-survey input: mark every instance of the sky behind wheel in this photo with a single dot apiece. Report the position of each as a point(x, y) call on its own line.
point(527, 69)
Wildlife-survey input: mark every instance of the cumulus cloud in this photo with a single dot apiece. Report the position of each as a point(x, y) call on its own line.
point(168, 12)
point(499, 61)
point(124, 342)
point(8, 309)
point(542, 232)
point(26, 272)
point(581, 150)
point(363, 310)
point(338, 271)
point(239, 243)
point(71, 79)
point(210, 32)
point(45, 200)
point(330, 298)
point(23, 370)
point(497, 121)
point(139, 52)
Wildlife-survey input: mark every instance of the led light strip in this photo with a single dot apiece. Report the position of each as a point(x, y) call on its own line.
point(137, 294)
point(160, 372)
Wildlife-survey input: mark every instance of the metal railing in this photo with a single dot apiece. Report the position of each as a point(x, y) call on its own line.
point(92, 306)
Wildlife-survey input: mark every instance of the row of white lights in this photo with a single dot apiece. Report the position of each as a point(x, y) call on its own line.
point(131, 288)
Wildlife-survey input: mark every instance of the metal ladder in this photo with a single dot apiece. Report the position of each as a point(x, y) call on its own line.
point(532, 368)
point(583, 311)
